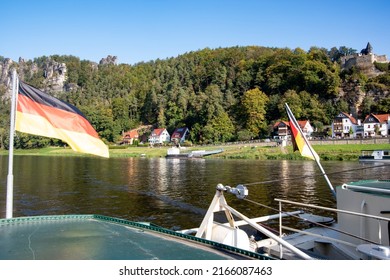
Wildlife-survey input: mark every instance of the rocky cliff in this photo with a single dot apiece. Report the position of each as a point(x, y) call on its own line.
point(108, 60)
point(6, 67)
point(54, 74)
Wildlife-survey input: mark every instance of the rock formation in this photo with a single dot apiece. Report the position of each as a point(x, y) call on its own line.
point(55, 75)
point(6, 77)
point(108, 60)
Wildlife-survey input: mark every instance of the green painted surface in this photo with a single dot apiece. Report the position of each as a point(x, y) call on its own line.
point(92, 237)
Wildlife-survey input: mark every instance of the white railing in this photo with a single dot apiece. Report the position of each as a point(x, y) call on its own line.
point(378, 218)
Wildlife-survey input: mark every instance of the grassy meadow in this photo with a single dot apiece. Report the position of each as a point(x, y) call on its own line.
point(340, 152)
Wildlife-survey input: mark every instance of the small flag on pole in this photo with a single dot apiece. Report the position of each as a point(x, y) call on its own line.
point(298, 138)
point(41, 114)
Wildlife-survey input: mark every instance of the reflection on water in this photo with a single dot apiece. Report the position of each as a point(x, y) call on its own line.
point(168, 192)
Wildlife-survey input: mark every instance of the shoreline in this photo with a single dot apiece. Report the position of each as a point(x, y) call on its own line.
point(337, 152)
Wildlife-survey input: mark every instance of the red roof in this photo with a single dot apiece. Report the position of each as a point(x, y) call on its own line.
point(158, 131)
point(179, 132)
point(278, 123)
point(349, 116)
point(131, 134)
point(300, 123)
point(382, 118)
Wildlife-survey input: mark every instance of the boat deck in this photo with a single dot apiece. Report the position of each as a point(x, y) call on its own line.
point(315, 242)
point(79, 237)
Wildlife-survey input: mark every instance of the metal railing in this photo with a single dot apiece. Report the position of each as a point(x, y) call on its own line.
point(378, 218)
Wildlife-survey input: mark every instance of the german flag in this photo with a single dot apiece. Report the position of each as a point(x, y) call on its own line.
point(41, 114)
point(298, 138)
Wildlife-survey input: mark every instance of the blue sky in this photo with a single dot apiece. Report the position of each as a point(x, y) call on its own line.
point(144, 30)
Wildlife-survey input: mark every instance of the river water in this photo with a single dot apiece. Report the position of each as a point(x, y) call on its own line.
point(174, 193)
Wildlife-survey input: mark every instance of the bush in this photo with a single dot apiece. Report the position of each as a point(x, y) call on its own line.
point(381, 66)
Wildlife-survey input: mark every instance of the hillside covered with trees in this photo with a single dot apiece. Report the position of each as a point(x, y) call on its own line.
point(221, 95)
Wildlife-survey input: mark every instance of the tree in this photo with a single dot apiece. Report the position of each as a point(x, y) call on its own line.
point(120, 113)
point(294, 102)
point(102, 121)
point(377, 129)
point(367, 106)
point(219, 129)
point(149, 109)
point(244, 135)
point(384, 106)
point(254, 104)
point(343, 50)
point(350, 132)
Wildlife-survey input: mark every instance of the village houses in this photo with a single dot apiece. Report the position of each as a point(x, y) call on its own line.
point(159, 136)
point(345, 125)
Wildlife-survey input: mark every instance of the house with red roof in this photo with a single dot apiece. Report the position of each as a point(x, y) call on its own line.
point(345, 125)
point(376, 125)
point(306, 127)
point(179, 135)
point(129, 137)
point(282, 129)
point(159, 136)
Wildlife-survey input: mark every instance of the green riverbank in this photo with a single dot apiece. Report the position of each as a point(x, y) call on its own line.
point(349, 152)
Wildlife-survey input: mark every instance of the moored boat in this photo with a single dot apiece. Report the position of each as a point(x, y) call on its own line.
point(175, 152)
point(375, 156)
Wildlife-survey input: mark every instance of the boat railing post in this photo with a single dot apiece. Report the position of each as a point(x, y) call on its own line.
point(10, 176)
point(362, 219)
point(280, 230)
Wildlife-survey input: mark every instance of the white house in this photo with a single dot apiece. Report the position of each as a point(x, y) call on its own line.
point(377, 125)
point(306, 127)
point(180, 135)
point(282, 129)
point(159, 136)
point(345, 125)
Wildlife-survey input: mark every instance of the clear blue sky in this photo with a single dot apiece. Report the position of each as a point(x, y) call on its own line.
point(144, 30)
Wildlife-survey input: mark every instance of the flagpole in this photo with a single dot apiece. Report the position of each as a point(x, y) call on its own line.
point(10, 177)
point(316, 158)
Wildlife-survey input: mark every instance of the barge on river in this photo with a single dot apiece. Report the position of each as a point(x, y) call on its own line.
point(175, 152)
point(375, 156)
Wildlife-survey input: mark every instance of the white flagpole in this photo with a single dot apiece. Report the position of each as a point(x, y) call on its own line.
point(311, 150)
point(10, 177)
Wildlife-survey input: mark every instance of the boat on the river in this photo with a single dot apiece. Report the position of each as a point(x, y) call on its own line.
point(175, 152)
point(359, 228)
point(375, 156)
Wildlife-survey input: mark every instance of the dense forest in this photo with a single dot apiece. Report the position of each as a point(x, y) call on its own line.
point(221, 95)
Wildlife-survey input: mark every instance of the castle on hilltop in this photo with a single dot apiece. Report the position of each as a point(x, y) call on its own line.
point(364, 61)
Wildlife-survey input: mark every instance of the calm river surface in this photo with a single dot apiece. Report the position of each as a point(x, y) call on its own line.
point(168, 192)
